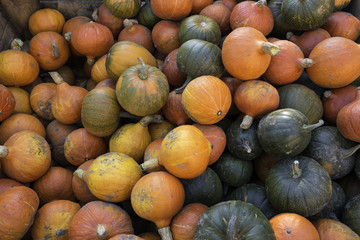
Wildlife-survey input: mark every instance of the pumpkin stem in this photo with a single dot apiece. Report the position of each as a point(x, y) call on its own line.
point(246, 122)
point(55, 50)
point(79, 173)
point(247, 147)
point(16, 44)
point(102, 232)
point(181, 89)
point(56, 77)
point(165, 233)
point(90, 61)
point(142, 73)
point(289, 35)
point(327, 93)
point(348, 152)
point(95, 14)
point(306, 62)
point(295, 170)
point(3, 151)
point(270, 49)
point(150, 164)
point(311, 127)
point(261, 3)
point(129, 23)
point(67, 36)
point(145, 121)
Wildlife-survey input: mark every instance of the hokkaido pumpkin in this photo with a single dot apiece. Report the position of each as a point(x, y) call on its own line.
point(98, 71)
point(341, 4)
point(109, 20)
point(165, 35)
point(69, 26)
point(125, 237)
point(171, 10)
point(220, 13)
point(41, 98)
point(80, 188)
point(173, 109)
point(331, 229)
point(174, 76)
point(46, 19)
point(22, 100)
point(198, 5)
point(350, 214)
point(153, 151)
point(343, 24)
point(7, 103)
point(7, 183)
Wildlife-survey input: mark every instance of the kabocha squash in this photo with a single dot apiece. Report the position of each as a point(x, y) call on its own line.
point(98, 71)
point(142, 89)
point(171, 70)
point(125, 54)
point(298, 185)
point(7, 103)
point(106, 18)
point(80, 188)
point(281, 27)
point(25, 156)
point(21, 205)
point(327, 72)
point(123, 8)
point(173, 109)
point(41, 97)
point(343, 24)
point(285, 132)
point(252, 14)
point(99, 220)
point(165, 35)
point(171, 10)
point(255, 98)
point(222, 221)
point(220, 13)
point(146, 16)
point(22, 100)
point(53, 220)
point(46, 19)
point(111, 176)
point(50, 50)
point(307, 14)
point(246, 53)
point(293, 226)
point(158, 197)
point(350, 215)
point(331, 229)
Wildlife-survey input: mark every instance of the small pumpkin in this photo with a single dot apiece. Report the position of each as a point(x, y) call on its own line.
point(146, 16)
point(332, 230)
point(159, 130)
point(41, 98)
point(7, 183)
point(165, 35)
point(198, 5)
point(98, 71)
point(106, 18)
point(233, 84)
point(173, 109)
point(80, 188)
point(174, 76)
point(123, 8)
point(171, 10)
point(220, 13)
point(69, 26)
point(350, 215)
point(22, 100)
point(343, 24)
point(46, 19)
point(7, 103)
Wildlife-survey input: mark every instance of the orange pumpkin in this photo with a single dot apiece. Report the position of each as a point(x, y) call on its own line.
point(165, 35)
point(343, 24)
point(229, 3)
point(198, 5)
point(69, 26)
point(107, 19)
point(98, 71)
point(330, 229)
point(126, 237)
point(153, 151)
point(173, 109)
point(22, 100)
point(220, 13)
point(41, 98)
point(171, 9)
point(159, 130)
point(233, 84)
point(7, 103)
point(46, 19)
point(174, 76)
point(80, 188)
point(7, 183)
point(150, 236)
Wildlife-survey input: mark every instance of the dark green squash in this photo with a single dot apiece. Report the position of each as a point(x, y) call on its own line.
point(123, 8)
point(243, 143)
point(199, 27)
point(299, 185)
point(146, 16)
point(351, 214)
point(233, 220)
point(333, 151)
point(306, 14)
point(232, 170)
point(301, 98)
point(255, 194)
point(280, 26)
point(285, 132)
point(206, 188)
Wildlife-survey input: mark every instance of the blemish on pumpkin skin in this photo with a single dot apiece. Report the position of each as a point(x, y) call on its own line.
point(61, 232)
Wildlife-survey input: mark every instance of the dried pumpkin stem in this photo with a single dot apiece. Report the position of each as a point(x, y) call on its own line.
point(16, 44)
point(246, 146)
point(348, 152)
point(90, 61)
point(95, 14)
point(295, 170)
point(181, 89)
point(56, 77)
point(289, 35)
point(150, 164)
point(102, 232)
point(55, 50)
point(3, 151)
point(129, 23)
point(142, 73)
point(67, 36)
point(165, 233)
point(261, 3)
point(270, 49)
point(145, 121)
point(311, 127)
point(246, 122)
point(79, 173)
point(327, 93)
point(306, 62)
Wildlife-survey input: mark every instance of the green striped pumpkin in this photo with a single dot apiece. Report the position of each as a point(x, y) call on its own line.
point(123, 8)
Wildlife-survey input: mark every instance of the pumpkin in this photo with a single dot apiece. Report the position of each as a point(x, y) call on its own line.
point(220, 13)
point(7, 183)
point(198, 5)
point(107, 19)
point(308, 14)
point(72, 23)
point(199, 27)
point(206, 189)
point(255, 98)
point(99, 220)
point(100, 111)
point(171, 10)
point(165, 35)
point(159, 130)
point(229, 3)
point(107, 83)
point(254, 49)
point(174, 76)
point(281, 27)
point(343, 24)
point(20, 69)
point(252, 225)
point(80, 188)
point(111, 176)
point(19, 122)
point(7, 103)
point(67, 74)
point(350, 215)
point(123, 8)
point(22, 100)
point(332, 230)
point(252, 14)
point(206, 107)
point(146, 16)
point(41, 98)
point(50, 50)
point(21, 205)
point(46, 19)
point(67, 102)
point(262, 165)
point(125, 54)
point(98, 71)
point(153, 151)
point(298, 185)
point(341, 4)
point(285, 132)
point(25, 156)
point(92, 40)
point(53, 219)
point(173, 109)
point(158, 197)
point(233, 84)
point(142, 89)
point(294, 226)
point(184, 223)
point(125, 237)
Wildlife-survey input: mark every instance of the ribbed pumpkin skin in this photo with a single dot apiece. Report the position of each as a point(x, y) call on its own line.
point(330, 229)
point(304, 194)
point(350, 215)
point(100, 111)
point(7, 103)
point(21, 205)
point(18, 68)
point(146, 16)
point(123, 55)
point(343, 24)
point(41, 98)
point(308, 14)
point(206, 107)
point(171, 10)
point(46, 20)
point(123, 8)
point(139, 96)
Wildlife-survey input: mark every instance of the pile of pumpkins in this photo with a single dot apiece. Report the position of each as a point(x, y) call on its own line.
point(197, 119)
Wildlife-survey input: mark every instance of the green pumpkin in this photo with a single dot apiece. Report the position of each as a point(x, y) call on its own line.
point(206, 188)
point(199, 27)
point(299, 185)
point(232, 170)
point(146, 16)
point(280, 26)
point(255, 194)
point(306, 14)
point(301, 98)
point(123, 8)
point(351, 214)
point(243, 143)
point(100, 112)
point(233, 220)
point(285, 132)
point(333, 151)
